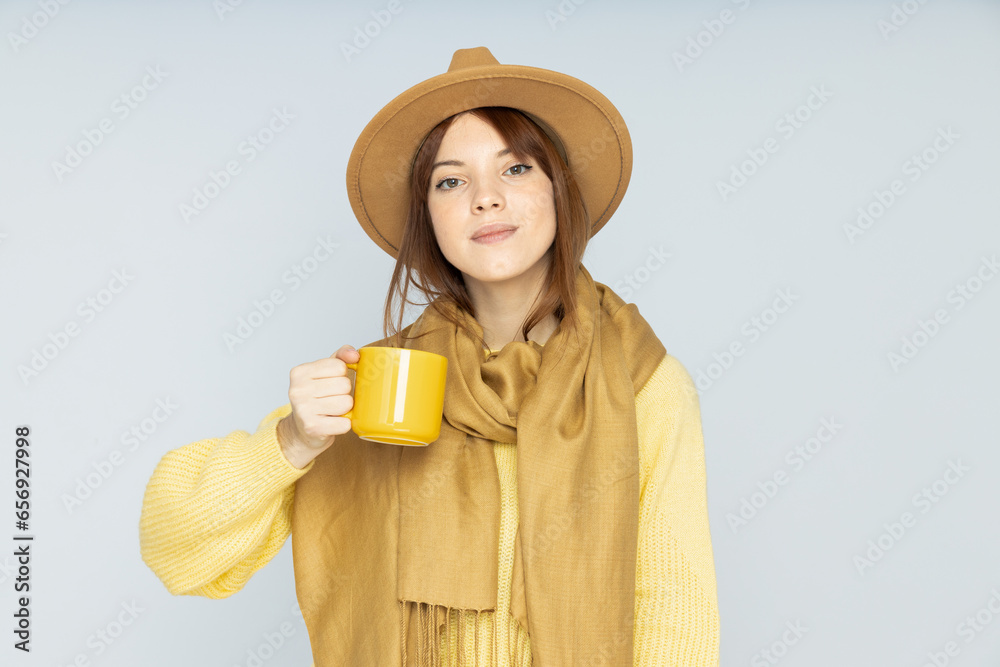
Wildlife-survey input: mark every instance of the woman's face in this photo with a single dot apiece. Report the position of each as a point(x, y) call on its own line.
point(475, 183)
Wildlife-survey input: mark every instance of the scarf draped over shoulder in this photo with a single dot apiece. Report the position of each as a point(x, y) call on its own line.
point(388, 539)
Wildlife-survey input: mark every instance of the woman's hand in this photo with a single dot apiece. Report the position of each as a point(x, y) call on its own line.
point(319, 392)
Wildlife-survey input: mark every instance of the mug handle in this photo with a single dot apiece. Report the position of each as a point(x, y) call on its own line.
point(353, 367)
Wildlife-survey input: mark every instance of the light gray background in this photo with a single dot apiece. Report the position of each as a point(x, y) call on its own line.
point(826, 357)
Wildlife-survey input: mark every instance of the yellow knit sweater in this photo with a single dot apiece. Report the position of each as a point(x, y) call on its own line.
point(201, 536)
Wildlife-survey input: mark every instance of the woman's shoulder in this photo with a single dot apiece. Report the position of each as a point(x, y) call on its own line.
point(670, 382)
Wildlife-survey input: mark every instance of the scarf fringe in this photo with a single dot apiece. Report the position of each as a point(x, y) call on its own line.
point(430, 653)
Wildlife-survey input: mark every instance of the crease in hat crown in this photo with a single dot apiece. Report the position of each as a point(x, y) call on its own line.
point(588, 131)
point(474, 57)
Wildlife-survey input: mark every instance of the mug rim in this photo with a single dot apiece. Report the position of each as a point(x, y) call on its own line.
point(397, 350)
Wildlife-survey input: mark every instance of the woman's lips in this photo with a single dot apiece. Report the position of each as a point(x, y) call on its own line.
point(496, 237)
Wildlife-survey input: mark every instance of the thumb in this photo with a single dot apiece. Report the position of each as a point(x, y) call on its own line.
point(350, 350)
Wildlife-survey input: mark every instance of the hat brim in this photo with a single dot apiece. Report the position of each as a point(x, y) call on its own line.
point(583, 123)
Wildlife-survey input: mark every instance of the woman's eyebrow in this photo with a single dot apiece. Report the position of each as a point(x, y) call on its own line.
point(459, 163)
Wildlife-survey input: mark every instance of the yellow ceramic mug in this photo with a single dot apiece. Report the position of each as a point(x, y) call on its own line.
point(398, 395)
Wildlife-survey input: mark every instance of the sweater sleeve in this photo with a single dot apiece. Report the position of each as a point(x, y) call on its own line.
point(676, 616)
point(217, 510)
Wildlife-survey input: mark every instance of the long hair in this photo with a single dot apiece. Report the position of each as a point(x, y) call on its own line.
point(421, 263)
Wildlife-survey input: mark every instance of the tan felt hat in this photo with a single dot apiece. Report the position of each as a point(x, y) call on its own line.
point(586, 128)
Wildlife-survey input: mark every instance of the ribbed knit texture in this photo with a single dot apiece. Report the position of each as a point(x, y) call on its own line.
point(217, 510)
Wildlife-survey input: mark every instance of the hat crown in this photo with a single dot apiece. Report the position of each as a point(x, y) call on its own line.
point(477, 57)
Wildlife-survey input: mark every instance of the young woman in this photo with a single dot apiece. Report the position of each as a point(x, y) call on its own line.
point(561, 516)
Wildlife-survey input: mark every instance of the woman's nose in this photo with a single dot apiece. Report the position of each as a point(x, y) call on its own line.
point(487, 197)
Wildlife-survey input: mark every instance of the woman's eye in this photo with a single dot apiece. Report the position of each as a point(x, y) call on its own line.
point(519, 169)
point(451, 183)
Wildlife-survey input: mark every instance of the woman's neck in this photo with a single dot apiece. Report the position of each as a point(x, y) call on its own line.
point(499, 334)
point(502, 308)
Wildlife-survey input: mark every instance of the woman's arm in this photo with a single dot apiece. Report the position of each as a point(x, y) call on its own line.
point(677, 615)
point(217, 510)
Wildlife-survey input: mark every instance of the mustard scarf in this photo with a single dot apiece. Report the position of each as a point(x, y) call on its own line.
point(388, 539)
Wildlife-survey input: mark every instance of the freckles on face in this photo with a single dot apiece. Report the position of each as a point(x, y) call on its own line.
point(477, 181)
